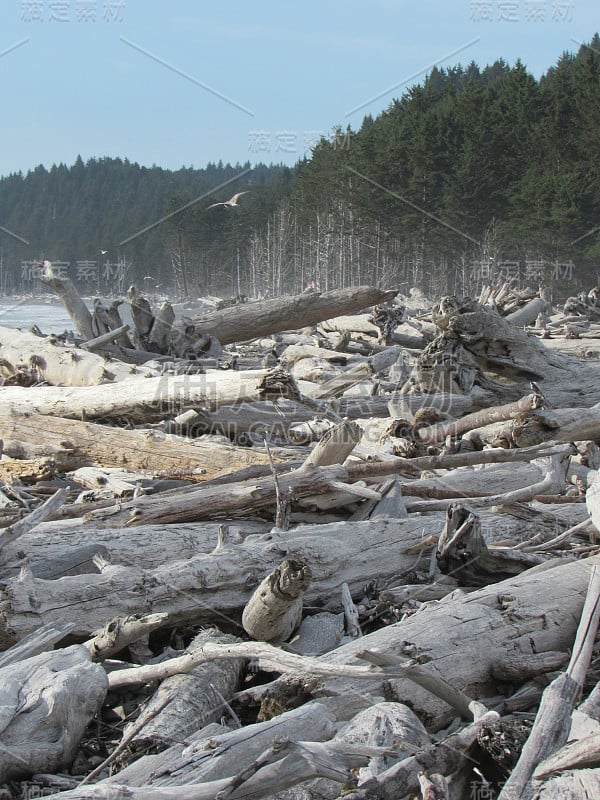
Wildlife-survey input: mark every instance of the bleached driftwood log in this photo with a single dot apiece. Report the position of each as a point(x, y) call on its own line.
point(469, 634)
point(229, 499)
point(534, 427)
point(231, 750)
point(56, 362)
point(206, 586)
point(55, 549)
point(368, 368)
point(529, 312)
point(250, 320)
point(147, 399)
point(47, 701)
point(335, 445)
point(91, 443)
point(106, 338)
point(404, 406)
point(194, 699)
point(351, 323)
point(487, 416)
point(553, 721)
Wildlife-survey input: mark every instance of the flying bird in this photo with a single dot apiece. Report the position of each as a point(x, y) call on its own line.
point(230, 203)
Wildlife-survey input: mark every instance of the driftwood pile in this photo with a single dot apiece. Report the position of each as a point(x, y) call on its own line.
point(288, 550)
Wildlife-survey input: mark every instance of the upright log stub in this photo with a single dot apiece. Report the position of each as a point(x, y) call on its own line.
point(275, 609)
point(251, 320)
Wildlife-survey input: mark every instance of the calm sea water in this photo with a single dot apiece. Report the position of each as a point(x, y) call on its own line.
point(49, 317)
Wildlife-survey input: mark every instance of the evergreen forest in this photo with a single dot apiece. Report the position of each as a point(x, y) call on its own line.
point(475, 175)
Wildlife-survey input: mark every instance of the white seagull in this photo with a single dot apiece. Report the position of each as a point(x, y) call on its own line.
point(230, 203)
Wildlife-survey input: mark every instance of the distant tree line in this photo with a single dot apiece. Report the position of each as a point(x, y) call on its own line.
point(467, 174)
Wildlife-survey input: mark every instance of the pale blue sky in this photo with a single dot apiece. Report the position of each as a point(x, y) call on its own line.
point(183, 83)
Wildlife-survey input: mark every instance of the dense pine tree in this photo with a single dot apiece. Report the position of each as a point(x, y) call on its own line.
point(474, 165)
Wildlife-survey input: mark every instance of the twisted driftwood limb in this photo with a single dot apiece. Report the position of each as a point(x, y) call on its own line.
point(250, 320)
point(47, 701)
point(553, 482)
point(120, 632)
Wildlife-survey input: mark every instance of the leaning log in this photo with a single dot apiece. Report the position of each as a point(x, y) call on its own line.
point(251, 320)
point(536, 426)
point(76, 308)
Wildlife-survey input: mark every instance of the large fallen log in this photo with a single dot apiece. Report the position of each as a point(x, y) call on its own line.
point(192, 700)
point(90, 443)
point(206, 587)
point(228, 500)
point(469, 635)
point(145, 399)
point(251, 320)
point(553, 722)
point(68, 546)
